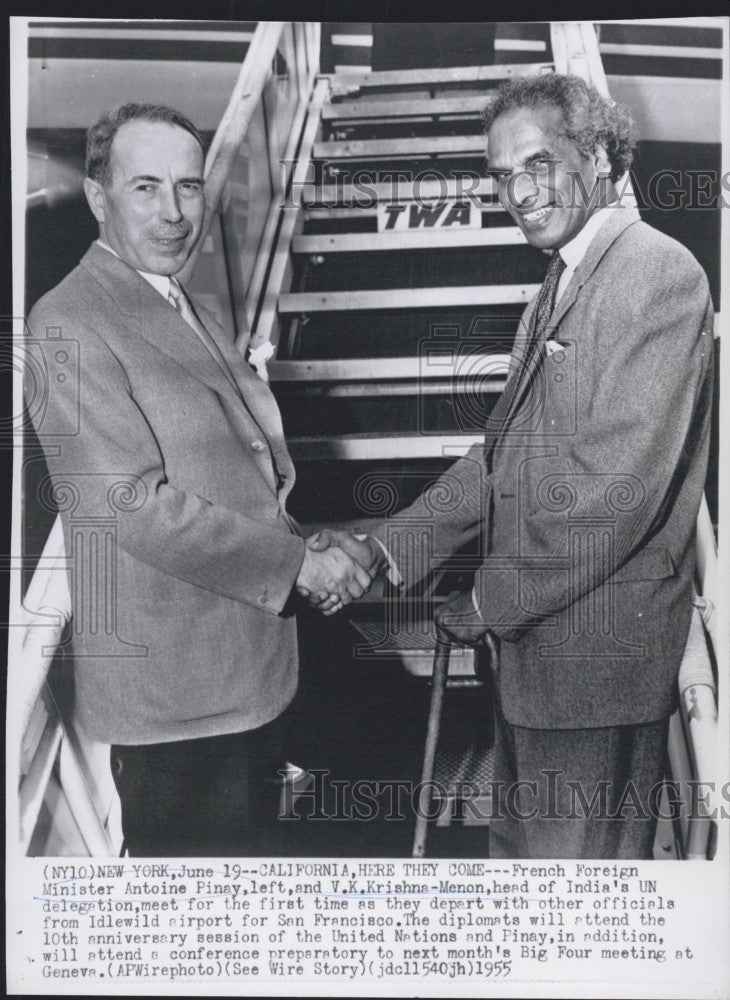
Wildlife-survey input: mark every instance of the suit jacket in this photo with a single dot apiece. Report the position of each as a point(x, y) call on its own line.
point(587, 519)
point(171, 484)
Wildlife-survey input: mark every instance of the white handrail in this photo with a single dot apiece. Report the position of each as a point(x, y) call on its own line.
point(231, 132)
point(46, 611)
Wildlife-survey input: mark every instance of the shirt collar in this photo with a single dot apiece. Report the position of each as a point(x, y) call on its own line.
point(575, 250)
point(160, 282)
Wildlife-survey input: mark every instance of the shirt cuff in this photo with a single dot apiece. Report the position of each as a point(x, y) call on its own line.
point(475, 602)
point(392, 575)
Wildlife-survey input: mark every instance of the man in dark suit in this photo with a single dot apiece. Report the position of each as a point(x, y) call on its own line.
point(170, 470)
point(585, 494)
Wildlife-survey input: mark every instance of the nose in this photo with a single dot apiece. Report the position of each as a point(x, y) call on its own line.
point(169, 204)
point(521, 189)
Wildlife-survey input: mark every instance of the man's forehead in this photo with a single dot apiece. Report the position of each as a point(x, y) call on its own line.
point(524, 131)
point(138, 142)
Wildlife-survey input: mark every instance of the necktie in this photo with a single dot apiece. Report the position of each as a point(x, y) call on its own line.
point(536, 335)
point(180, 302)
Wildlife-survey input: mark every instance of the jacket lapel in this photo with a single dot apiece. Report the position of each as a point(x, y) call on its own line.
point(159, 324)
point(256, 394)
point(155, 319)
point(619, 220)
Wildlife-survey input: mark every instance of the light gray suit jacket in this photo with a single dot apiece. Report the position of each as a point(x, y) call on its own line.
point(171, 484)
point(587, 518)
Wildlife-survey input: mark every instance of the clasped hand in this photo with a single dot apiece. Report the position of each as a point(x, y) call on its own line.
point(338, 568)
point(458, 620)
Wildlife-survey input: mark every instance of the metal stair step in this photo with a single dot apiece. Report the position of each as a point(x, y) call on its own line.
point(468, 384)
point(365, 447)
point(449, 366)
point(405, 298)
point(458, 107)
point(419, 239)
point(345, 84)
point(426, 145)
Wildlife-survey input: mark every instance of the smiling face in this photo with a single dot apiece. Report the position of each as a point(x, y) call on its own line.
point(548, 187)
point(151, 211)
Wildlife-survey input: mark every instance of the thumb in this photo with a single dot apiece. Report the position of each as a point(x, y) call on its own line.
point(320, 541)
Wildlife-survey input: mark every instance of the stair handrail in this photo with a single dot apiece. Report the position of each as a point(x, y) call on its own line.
point(233, 126)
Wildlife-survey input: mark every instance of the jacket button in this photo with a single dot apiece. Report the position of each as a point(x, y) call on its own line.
point(263, 600)
point(258, 445)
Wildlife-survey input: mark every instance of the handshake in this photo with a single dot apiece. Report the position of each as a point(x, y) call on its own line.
point(338, 568)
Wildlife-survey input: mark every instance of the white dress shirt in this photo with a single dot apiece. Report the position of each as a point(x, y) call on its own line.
point(572, 254)
point(574, 251)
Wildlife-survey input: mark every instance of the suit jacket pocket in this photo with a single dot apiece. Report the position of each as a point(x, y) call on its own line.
point(647, 564)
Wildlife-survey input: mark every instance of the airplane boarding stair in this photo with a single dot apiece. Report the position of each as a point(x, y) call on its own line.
point(386, 288)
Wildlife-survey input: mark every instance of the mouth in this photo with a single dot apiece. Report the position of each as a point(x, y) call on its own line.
point(170, 242)
point(539, 215)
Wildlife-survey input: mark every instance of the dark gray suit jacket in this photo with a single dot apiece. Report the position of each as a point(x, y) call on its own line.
point(587, 519)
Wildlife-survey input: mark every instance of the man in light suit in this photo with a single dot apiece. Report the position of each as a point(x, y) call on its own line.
point(170, 470)
point(585, 495)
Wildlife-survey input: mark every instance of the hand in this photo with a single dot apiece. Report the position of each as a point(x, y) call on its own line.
point(460, 621)
point(331, 577)
point(364, 551)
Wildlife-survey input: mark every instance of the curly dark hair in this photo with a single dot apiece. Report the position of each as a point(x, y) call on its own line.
point(589, 118)
point(100, 136)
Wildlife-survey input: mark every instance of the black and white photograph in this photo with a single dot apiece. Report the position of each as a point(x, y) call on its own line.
point(369, 612)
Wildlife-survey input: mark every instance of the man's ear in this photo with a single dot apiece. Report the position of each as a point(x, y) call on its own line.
point(601, 160)
point(95, 196)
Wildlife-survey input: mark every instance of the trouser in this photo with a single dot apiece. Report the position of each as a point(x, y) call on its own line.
point(577, 793)
point(214, 796)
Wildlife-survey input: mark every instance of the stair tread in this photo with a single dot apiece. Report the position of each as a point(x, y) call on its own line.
point(405, 298)
point(366, 109)
point(382, 447)
point(355, 369)
point(400, 147)
point(346, 83)
point(384, 435)
point(409, 239)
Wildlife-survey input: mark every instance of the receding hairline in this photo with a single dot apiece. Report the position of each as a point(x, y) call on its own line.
point(148, 122)
point(154, 123)
point(100, 136)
